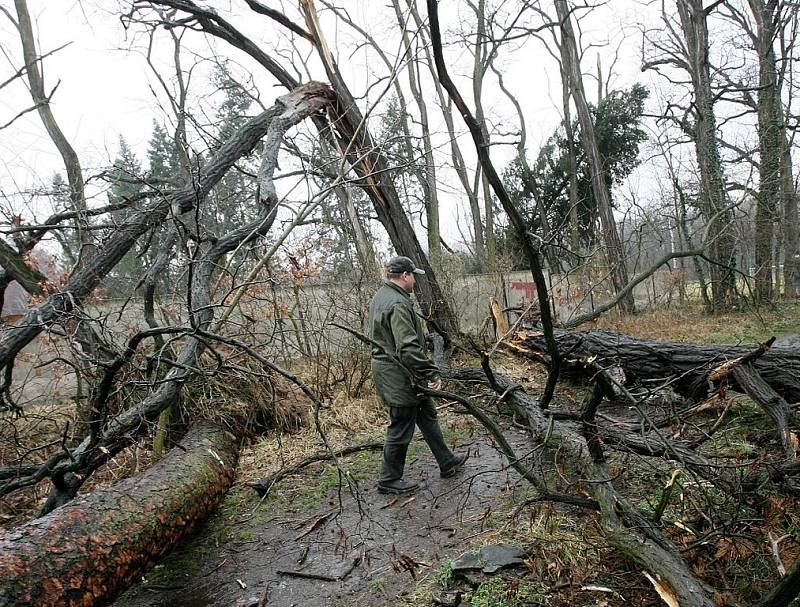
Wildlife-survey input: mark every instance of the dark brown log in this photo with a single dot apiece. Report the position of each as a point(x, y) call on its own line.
point(85, 553)
point(770, 401)
point(687, 363)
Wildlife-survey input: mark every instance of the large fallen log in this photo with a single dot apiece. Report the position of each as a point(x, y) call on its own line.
point(85, 553)
point(686, 364)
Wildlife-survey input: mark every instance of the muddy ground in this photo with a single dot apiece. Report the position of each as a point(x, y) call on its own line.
point(365, 551)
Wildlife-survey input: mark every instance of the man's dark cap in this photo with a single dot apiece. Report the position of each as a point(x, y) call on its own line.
point(398, 265)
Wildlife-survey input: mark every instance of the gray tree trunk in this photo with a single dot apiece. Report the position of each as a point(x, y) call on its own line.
point(614, 251)
point(575, 239)
point(770, 126)
point(428, 180)
point(70, 158)
point(791, 242)
point(712, 185)
point(479, 67)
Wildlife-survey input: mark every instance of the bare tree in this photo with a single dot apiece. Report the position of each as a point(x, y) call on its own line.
point(352, 137)
point(459, 165)
point(571, 62)
point(693, 17)
point(68, 155)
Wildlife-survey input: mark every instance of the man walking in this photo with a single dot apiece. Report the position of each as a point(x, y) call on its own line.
point(399, 363)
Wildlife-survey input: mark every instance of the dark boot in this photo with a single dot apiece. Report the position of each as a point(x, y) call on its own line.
point(454, 467)
point(399, 486)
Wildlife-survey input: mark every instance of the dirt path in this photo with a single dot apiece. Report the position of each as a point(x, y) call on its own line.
point(371, 548)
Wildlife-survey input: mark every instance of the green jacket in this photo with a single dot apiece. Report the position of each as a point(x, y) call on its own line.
point(394, 325)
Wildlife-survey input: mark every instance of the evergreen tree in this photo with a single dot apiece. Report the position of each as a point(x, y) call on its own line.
point(619, 133)
point(162, 155)
point(68, 239)
point(230, 203)
point(127, 183)
point(126, 173)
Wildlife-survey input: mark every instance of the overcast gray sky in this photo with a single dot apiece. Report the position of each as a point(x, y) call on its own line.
point(104, 89)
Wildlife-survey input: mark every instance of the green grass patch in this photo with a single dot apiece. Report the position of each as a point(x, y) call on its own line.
point(499, 592)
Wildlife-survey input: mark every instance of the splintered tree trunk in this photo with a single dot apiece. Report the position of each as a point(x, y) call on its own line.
point(370, 165)
point(687, 363)
point(88, 551)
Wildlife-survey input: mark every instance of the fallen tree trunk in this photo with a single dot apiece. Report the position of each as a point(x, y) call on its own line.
point(622, 523)
point(85, 553)
point(688, 364)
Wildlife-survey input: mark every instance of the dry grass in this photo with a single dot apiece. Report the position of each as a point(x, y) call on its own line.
point(344, 422)
point(693, 325)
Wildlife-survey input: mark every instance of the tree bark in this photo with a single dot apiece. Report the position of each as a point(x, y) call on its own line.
point(482, 59)
point(712, 184)
point(68, 155)
point(85, 553)
point(29, 278)
point(70, 469)
point(602, 195)
point(791, 233)
point(310, 98)
point(690, 363)
point(572, 156)
point(770, 125)
point(772, 403)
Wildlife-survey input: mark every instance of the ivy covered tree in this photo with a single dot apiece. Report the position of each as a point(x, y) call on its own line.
point(540, 189)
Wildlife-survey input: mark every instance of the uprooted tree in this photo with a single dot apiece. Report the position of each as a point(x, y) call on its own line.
point(101, 543)
point(665, 410)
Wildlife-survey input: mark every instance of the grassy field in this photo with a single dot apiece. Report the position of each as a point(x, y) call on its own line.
point(694, 325)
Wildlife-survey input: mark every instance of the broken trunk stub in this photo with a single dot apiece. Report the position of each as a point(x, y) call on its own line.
point(489, 558)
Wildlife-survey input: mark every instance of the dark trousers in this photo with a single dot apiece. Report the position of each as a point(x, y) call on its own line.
point(400, 432)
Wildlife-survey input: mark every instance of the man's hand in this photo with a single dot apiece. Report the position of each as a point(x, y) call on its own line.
point(435, 385)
